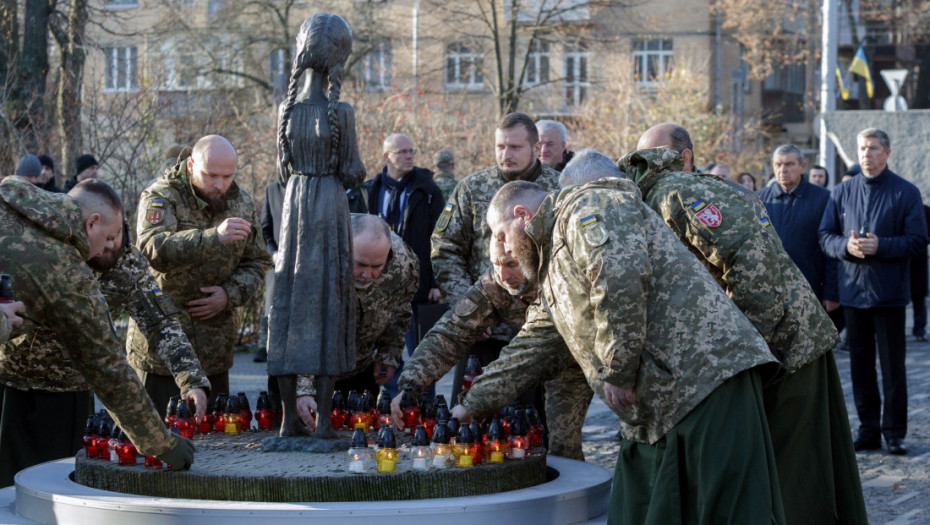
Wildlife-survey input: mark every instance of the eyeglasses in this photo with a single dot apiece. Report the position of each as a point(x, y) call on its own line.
point(404, 152)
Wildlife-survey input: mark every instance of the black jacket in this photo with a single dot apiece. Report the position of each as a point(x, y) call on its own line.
point(271, 215)
point(422, 209)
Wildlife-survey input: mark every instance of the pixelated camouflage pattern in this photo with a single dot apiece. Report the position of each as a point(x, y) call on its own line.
point(743, 253)
point(128, 286)
point(5, 329)
point(185, 254)
point(633, 306)
point(383, 313)
point(44, 248)
point(460, 252)
point(446, 182)
point(488, 304)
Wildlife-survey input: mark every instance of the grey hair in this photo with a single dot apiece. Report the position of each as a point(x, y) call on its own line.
point(876, 133)
point(786, 149)
point(372, 226)
point(589, 165)
point(545, 125)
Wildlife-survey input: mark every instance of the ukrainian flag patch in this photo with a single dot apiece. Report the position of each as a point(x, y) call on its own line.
point(766, 221)
point(157, 203)
point(590, 219)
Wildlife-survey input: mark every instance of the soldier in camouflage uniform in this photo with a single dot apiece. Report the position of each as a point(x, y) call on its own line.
point(444, 162)
point(500, 296)
point(656, 338)
point(729, 231)
point(460, 241)
point(387, 275)
point(68, 341)
point(203, 241)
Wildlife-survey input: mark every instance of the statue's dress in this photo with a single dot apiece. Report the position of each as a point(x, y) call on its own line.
point(312, 320)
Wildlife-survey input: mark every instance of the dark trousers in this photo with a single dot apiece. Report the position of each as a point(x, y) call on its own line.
point(866, 327)
point(38, 426)
point(161, 388)
point(920, 316)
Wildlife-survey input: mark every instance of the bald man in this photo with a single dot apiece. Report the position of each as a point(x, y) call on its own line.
point(201, 235)
point(409, 201)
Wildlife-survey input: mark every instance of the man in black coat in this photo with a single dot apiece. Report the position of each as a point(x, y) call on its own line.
point(408, 199)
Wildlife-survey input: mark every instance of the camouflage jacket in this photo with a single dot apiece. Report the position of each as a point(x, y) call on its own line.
point(634, 307)
point(446, 182)
point(729, 230)
point(44, 248)
point(383, 312)
point(5, 329)
point(460, 252)
point(177, 233)
point(485, 304)
point(128, 286)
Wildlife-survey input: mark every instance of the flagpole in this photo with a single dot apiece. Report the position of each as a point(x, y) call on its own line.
point(828, 83)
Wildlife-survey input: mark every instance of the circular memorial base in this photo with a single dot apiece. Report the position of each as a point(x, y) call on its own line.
point(577, 492)
point(234, 468)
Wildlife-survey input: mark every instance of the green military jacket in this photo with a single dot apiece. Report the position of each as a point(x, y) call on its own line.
point(383, 312)
point(460, 252)
point(729, 231)
point(128, 286)
point(5, 329)
point(486, 304)
point(177, 233)
point(633, 306)
point(44, 247)
point(446, 182)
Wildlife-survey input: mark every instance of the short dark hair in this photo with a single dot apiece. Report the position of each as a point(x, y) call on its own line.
point(786, 149)
point(512, 120)
point(819, 167)
point(516, 191)
point(92, 194)
point(47, 161)
point(681, 140)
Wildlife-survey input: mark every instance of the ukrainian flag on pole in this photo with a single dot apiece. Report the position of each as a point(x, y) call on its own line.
point(839, 78)
point(860, 66)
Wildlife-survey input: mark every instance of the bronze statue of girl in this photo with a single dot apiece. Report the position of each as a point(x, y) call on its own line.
point(312, 321)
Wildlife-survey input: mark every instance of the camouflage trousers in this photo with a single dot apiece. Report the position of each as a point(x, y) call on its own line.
point(567, 399)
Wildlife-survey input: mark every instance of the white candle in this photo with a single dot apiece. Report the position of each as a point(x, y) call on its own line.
point(439, 461)
point(420, 464)
point(357, 466)
point(517, 453)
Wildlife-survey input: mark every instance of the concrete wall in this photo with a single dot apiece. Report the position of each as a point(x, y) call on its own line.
point(909, 132)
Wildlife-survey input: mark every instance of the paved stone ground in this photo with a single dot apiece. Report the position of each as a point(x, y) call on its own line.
point(897, 488)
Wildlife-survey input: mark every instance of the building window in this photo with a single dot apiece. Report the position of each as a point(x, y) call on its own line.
point(120, 4)
point(121, 69)
point(652, 61)
point(463, 68)
point(376, 67)
point(575, 81)
point(537, 66)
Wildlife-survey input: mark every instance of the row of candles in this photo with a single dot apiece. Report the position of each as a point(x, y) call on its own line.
point(452, 444)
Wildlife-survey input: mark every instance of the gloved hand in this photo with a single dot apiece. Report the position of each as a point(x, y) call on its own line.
point(181, 455)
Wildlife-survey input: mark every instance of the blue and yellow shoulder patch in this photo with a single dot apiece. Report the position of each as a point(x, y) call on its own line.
point(157, 203)
point(766, 222)
point(443, 222)
point(590, 219)
point(594, 233)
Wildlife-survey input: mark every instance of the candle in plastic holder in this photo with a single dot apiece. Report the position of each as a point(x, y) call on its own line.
point(495, 449)
point(359, 455)
point(351, 402)
point(361, 415)
point(183, 420)
point(339, 416)
point(472, 370)
point(453, 426)
point(442, 452)
point(112, 445)
point(231, 424)
point(386, 455)
point(384, 411)
point(519, 444)
point(219, 411)
point(535, 429)
point(410, 410)
point(427, 414)
point(208, 422)
point(442, 411)
point(245, 411)
point(103, 439)
point(420, 452)
point(153, 462)
point(171, 411)
point(90, 437)
point(126, 451)
point(464, 448)
point(476, 433)
point(264, 415)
